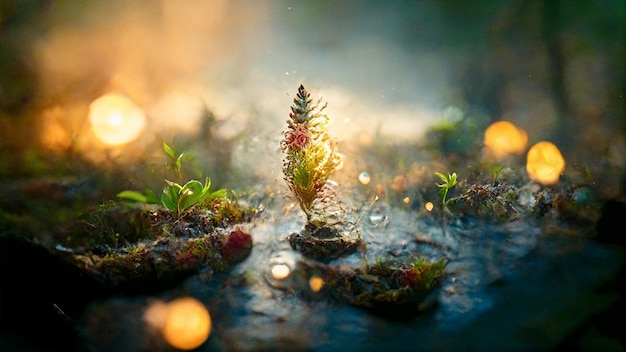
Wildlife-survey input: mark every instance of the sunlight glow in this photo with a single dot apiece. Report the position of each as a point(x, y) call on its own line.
point(115, 119)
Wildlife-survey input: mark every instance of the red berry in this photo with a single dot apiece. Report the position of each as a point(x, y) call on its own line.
point(237, 246)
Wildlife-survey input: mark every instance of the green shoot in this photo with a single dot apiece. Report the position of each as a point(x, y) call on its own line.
point(448, 182)
point(496, 172)
point(179, 198)
point(176, 159)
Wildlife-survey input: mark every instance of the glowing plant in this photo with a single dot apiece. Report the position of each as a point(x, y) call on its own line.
point(176, 197)
point(310, 156)
point(448, 182)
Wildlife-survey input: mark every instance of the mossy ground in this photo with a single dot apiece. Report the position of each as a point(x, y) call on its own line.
point(124, 244)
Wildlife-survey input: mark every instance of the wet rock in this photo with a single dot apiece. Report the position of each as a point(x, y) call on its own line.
point(325, 243)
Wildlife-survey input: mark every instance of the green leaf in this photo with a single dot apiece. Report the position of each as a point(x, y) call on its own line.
point(170, 196)
point(151, 198)
point(207, 186)
point(443, 178)
point(133, 196)
point(452, 180)
point(179, 161)
point(190, 194)
point(147, 197)
point(169, 151)
point(220, 193)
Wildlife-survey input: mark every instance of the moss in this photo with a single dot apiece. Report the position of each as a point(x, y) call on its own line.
point(122, 244)
point(393, 289)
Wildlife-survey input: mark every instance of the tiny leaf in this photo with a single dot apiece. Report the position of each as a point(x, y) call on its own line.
point(169, 151)
point(133, 196)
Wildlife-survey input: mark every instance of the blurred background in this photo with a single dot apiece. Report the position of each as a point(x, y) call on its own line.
point(224, 73)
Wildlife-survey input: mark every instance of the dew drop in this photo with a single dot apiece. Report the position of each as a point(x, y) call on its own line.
point(364, 178)
point(378, 219)
point(278, 272)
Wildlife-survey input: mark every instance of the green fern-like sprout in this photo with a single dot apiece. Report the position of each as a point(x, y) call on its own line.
point(310, 156)
point(448, 182)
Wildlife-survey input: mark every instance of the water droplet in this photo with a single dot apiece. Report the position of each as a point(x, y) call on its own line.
point(280, 271)
point(378, 219)
point(281, 265)
point(364, 178)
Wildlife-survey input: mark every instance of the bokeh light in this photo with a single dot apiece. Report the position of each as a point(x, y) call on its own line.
point(503, 138)
point(185, 322)
point(188, 324)
point(545, 163)
point(316, 283)
point(115, 119)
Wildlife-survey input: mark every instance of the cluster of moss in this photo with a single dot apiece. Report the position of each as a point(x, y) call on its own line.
point(120, 244)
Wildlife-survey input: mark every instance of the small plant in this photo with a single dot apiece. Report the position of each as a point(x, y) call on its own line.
point(422, 275)
point(180, 198)
point(448, 182)
point(496, 172)
point(177, 160)
point(176, 197)
point(310, 156)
